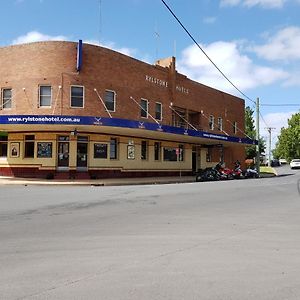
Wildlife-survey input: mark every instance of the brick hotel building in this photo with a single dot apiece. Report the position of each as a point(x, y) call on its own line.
point(73, 110)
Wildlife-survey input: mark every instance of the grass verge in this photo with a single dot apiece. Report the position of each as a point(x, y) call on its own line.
point(268, 170)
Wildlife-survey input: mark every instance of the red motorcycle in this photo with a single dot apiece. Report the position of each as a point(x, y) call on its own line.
point(225, 173)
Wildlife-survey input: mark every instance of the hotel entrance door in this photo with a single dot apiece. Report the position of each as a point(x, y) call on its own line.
point(63, 152)
point(82, 152)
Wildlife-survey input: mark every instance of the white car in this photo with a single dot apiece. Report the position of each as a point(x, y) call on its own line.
point(295, 163)
point(283, 161)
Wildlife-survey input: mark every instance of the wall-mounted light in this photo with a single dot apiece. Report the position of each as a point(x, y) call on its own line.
point(74, 132)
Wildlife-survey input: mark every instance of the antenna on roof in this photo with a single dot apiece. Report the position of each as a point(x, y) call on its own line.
point(157, 36)
point(175, 48)
point(100, 21)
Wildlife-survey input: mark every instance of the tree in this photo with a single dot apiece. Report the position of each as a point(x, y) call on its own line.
point(288, 144)
point(251, 132)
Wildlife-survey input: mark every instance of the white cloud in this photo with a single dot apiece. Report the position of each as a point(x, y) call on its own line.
point(284, 45)
point(35, 36)
point(276, 121)
point(251, 3)
point(112, 45)
point(293, 80)
point(239, 68)
point(229, 2)
point(209, 20)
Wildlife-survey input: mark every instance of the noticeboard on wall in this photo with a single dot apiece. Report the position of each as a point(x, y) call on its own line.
point(14, 149)
point(44, 149)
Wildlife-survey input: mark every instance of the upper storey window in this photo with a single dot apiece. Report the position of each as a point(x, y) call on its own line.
point(144, 108)
point(211, 122)
point(220, 124)
point(234, 127)
point(45, 95)
point(158, 111)
point(6, 98)
point(77, 96)
point(110, 100)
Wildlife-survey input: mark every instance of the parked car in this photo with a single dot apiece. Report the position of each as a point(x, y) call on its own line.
point(295, 163)
point(283, 161)
point(275, 163)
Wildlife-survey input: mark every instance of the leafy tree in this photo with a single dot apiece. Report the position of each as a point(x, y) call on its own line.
point(251, 132)
point(288, 144)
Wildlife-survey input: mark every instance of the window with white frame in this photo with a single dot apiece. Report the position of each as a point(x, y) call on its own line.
point(158, 111)
point(77, 96)
point(234, 127)
point(110, 100)
point(144, 108)
point(220, 124)
point(45, 95)
point(6, 98)
point(211, 122)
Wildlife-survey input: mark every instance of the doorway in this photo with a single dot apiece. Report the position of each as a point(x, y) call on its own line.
point(82, 153)
point(63, 152)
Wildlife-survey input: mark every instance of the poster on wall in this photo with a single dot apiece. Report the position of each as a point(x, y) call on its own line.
point(130, 152)
point(44, 149)
point(14, 149)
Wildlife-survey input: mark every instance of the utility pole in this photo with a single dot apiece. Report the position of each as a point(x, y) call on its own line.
point(270, 143)
point(257, 160)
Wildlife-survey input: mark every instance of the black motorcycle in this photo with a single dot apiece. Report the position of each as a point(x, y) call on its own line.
point(208, 174)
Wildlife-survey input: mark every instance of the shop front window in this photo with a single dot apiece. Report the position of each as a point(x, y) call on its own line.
point(157, 147)
point(3, 146)
point(113, 148)
point(144, 150)
point(170, 154)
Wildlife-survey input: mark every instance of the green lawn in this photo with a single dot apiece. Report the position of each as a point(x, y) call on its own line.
point(267, 170)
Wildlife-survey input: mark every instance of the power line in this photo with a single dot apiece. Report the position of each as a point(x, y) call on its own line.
point(263, 119)
point(281, 104)
point(202, 50)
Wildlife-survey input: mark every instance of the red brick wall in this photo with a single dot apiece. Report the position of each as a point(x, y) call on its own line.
point(54, 63)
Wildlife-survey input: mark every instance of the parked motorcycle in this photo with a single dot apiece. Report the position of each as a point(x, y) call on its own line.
point(238, 173)
point(208, 174)
point(225, 173)
point(251, 173)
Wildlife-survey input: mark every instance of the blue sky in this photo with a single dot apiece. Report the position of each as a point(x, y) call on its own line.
point(256, 43)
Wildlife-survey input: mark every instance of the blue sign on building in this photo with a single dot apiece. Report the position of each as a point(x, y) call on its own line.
point(79, 56)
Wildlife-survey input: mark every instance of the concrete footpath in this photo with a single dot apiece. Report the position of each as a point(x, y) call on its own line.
point(96, 182)
point(105, 181)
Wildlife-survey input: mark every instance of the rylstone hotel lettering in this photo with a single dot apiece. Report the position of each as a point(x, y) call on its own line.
point(164, 83)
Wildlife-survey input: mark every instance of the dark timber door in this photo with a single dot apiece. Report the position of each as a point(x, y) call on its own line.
point(194, 161)
point(63, 154)
point(82, 152)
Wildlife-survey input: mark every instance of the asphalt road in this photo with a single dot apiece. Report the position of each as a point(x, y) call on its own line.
point(215, 240)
